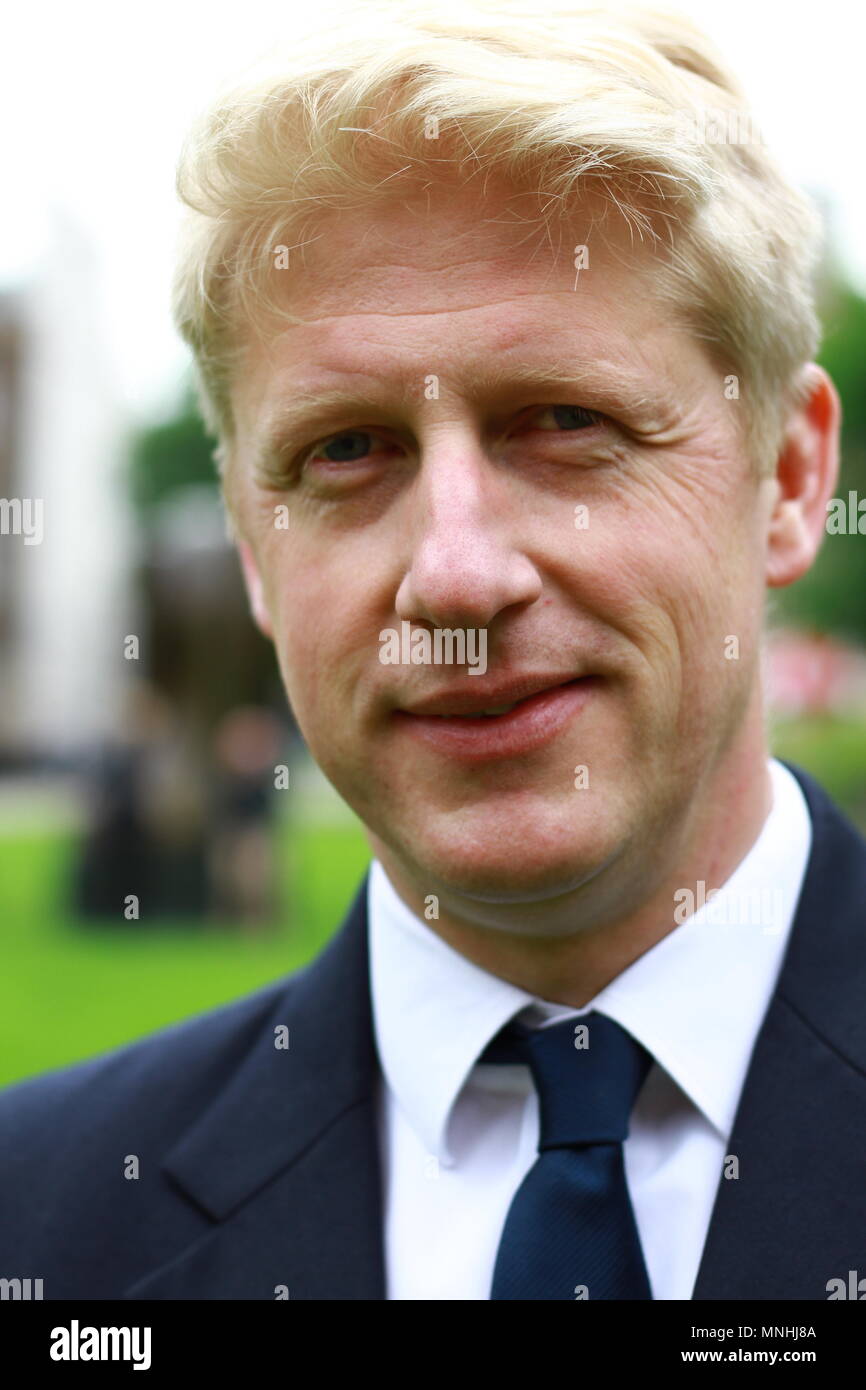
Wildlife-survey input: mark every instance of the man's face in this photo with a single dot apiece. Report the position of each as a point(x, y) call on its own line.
point(604, 527)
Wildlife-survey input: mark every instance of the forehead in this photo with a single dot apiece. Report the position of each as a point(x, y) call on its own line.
point(448, 281)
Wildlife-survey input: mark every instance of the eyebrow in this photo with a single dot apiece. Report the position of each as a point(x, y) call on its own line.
point(613, 386)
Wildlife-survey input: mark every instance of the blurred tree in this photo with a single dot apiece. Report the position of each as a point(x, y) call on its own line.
point(203, 651)
point(842, 353)
point(175, 454)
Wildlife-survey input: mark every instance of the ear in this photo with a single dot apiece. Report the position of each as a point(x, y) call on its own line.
point(255, 588)
point(807, 470)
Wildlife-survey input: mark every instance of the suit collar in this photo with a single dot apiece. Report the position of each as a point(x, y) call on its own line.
point(824, 971)
point(292, 1132)
point(793, 1217)
point(280, 1100)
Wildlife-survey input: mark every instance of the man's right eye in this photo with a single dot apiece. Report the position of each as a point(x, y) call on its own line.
point(350, 446)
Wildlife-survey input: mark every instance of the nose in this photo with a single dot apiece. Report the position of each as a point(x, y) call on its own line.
point(465, 563)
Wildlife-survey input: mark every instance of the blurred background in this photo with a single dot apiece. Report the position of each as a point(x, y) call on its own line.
point(166, 842)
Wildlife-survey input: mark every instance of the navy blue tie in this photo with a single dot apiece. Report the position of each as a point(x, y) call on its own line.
point(570, 1231)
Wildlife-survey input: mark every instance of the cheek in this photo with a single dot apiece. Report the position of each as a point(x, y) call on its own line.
point(681, 556)
point(672, 590)
point(296, 593)
point(657, 596)
point(323, 636)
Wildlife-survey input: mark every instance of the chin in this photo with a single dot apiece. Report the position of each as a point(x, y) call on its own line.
point(516, 863)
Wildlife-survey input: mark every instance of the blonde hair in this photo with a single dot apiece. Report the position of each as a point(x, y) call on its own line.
point(632, 103)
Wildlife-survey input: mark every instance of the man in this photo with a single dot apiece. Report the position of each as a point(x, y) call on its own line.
point(509, 357)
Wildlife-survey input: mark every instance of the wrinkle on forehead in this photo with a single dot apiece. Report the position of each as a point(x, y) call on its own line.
point(444, 231)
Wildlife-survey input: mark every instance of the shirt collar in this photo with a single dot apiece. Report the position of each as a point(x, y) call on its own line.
point(711, 978)
point(434, 1011)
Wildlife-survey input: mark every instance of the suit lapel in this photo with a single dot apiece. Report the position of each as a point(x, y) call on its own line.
point(795, 1217)
point(285, 1162)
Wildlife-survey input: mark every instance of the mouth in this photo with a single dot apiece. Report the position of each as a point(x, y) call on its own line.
point(479, 727)
point(477, 697)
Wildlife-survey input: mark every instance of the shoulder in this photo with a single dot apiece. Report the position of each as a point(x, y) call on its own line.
point(134, 1098)
point(69, 1139)
point(177, 1062)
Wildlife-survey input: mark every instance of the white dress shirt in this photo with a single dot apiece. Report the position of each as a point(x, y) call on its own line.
point(457, 1138)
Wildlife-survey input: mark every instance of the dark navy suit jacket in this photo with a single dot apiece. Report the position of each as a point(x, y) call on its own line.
point(259, 1167)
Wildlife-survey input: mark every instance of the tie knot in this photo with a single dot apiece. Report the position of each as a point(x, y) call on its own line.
point(587, 1072)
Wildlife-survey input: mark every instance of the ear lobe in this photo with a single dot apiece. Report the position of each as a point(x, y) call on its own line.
point(255, 589)
point(790, 546)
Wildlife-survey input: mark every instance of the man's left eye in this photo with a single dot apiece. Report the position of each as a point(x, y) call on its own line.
point(568, 417)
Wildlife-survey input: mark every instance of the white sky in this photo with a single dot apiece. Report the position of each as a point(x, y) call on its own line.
point(95, 97)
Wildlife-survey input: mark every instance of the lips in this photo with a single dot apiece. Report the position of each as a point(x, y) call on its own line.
point(485, 713)
point(475, 697)
point(464, 725)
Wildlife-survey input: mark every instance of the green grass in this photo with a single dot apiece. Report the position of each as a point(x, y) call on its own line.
point(69, 990)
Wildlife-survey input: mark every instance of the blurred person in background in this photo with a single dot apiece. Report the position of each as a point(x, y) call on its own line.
point(247, 746)
point(147, 827)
